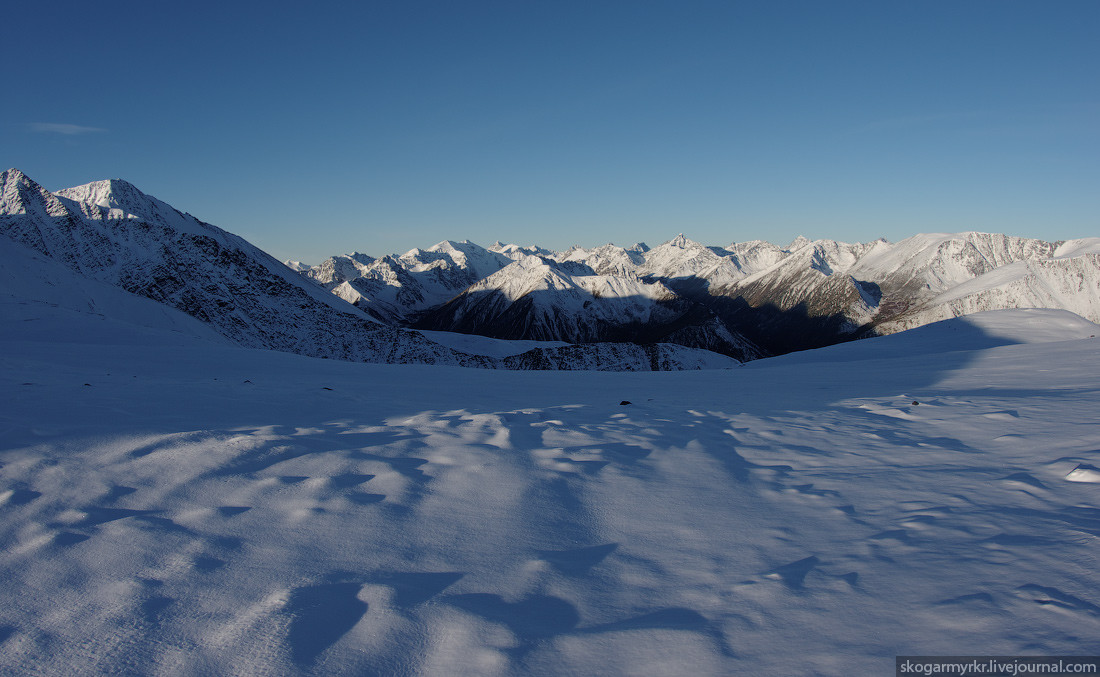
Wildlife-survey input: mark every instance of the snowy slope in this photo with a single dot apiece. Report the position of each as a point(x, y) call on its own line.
point(1079, 247)
point(1068, 282)
point(143, 246)
point(40, 299)
point(977, 331)
point(933, 263)
point(214, 510)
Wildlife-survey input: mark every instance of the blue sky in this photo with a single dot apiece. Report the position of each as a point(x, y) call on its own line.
point(320, 129)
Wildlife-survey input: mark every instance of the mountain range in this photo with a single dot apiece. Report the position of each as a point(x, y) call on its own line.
point(679, 305)
point(108, 237)
point(746, 300)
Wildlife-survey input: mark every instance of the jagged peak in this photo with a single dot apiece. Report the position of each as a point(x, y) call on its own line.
point(747, 244)
point(798, 243)
point(464, 246)
point(530, 262)
point(680, 242)
point(524, 273)
point(14, 177)
point(120, 199)
point(110, 193)
point(608, 248)
point(445, 246)
point(13, 174)
point(20, 194)
point(507, 249)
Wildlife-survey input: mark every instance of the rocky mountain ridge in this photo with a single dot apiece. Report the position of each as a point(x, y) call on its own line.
point(746, 300)
point(639, 307)
point(111, 232)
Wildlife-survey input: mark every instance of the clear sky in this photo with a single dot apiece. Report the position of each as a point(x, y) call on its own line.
point(315, 129)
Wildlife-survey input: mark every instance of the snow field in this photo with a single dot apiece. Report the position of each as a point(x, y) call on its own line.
point(203, 509)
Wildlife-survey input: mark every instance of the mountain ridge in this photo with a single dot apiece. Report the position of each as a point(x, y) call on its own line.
point(145, 247)
point(744, 300)
point(770, 299)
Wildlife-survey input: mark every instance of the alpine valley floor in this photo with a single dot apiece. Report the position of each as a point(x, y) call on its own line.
point(176, 506)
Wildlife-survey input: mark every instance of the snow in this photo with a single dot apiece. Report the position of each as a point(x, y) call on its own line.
point(121, 239)
point(297, 266)
point(679, 257)
point(998, 277)
point(1069, 283)
point(39, 299)
point(937, 261)
point(854, 286)
point(186, 507)
point(1084, 473)
point(175, 504)
point(118, 199)
point(473, 344)
point(979, 331)
point(1073, 248)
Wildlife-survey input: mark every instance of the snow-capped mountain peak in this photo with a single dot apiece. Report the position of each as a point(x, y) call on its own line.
point(678, 258)
point(119, 199)
point(21, 195)
point(798, 243)
point(821, 291)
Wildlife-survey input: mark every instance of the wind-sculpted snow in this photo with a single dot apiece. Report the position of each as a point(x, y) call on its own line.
point(111, 232)
point(186, 508)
